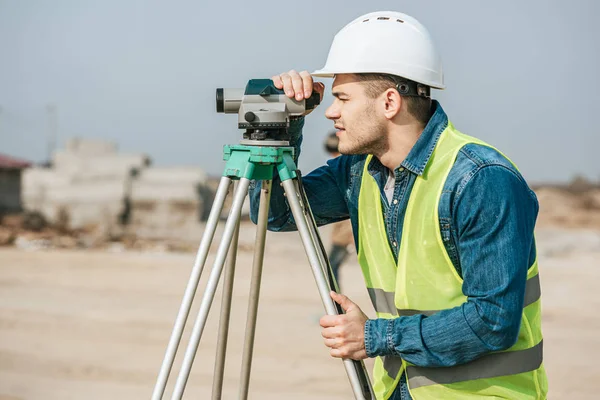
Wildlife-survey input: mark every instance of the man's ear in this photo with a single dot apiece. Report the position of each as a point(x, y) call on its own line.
point(392, 102)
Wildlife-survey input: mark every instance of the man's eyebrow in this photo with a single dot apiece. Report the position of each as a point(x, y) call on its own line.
point(339, 94)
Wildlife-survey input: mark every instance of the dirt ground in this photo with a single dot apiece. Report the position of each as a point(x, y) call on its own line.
point(93, 325)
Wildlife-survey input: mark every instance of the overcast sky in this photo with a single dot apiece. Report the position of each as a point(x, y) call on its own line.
point(522, 75)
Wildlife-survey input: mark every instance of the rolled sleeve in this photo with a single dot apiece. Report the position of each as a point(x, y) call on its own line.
point(379, 337)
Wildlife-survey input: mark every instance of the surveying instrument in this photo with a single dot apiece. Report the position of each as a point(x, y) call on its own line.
point(264, 112)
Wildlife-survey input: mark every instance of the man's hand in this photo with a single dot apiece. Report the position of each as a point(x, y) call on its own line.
point(298, 85)
point(345, 334)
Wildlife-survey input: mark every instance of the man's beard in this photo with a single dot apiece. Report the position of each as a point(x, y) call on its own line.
point(367, 138)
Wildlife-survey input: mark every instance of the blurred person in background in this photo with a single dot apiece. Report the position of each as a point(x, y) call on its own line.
point(342, 238)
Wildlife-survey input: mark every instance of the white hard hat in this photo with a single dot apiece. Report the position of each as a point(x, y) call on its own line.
point(385, 42)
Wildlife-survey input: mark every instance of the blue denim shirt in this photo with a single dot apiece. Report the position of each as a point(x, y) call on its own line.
point(487, 215)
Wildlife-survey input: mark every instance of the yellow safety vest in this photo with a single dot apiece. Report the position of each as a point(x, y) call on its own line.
point(425, 281)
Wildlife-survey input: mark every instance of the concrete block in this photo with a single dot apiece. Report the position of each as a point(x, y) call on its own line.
point(35, 176)
point(162, 219)
point(166, 201)
point(173, 175)
point(35, 184)
point(143, 191)
point(88, 192)
point(82, 204)
point(90, 147)
point(81, 168)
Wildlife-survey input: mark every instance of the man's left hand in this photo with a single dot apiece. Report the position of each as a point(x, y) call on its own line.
point(345, 334)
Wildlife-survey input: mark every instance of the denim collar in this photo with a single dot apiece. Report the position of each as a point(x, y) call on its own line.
point(419, 155)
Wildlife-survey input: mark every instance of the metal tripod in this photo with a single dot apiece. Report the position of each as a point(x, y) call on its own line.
point(255, 160)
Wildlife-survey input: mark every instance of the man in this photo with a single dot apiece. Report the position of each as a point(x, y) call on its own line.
point(341, 233)
point(443, 225)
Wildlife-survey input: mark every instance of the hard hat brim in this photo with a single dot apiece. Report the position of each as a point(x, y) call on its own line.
point(323, 73)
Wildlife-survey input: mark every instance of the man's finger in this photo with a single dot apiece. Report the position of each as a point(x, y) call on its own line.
point(337, 353)
point(332, 343)
point(297, 84)
point(330, 320)
point(342, 300)
point(288, 87)
point(330, 333)
point(277, 81)
point(307, 82)
point(319, 87)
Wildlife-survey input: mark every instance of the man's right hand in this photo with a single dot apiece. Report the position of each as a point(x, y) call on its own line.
point(298, 85)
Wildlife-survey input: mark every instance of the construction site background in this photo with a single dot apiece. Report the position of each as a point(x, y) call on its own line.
point(92, 196)
point(165, 208)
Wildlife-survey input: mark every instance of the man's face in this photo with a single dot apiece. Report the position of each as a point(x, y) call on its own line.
point(360, 127)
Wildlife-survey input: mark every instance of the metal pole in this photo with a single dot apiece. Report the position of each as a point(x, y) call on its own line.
point(316, 238)
point(358, 366)
point(225, 315)
point(259, 252)
point(322, 284)
point(190, 291)
point(52, 127)
point(211, 288)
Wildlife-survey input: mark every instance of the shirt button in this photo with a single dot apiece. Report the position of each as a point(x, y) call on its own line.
point(395, 201)
point(401, 169)
point(395, 244)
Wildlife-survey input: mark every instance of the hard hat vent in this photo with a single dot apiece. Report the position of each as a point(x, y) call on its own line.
point(384, 19)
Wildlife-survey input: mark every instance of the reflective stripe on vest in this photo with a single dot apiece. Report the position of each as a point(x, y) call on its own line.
point(423, 280)
point(383, 301)
point(488, 366)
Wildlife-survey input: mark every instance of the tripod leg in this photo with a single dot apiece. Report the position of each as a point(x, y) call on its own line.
point(190, 291)
point(259, 252)
point(359, 366)
point(224, 316)
point(316, 238)
point(293, 197)
point(211, 287)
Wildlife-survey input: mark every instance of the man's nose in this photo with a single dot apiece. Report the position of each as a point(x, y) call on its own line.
point(332, 112)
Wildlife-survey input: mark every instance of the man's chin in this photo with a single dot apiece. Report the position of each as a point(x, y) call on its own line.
point(351, 151)
point(352, 148)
